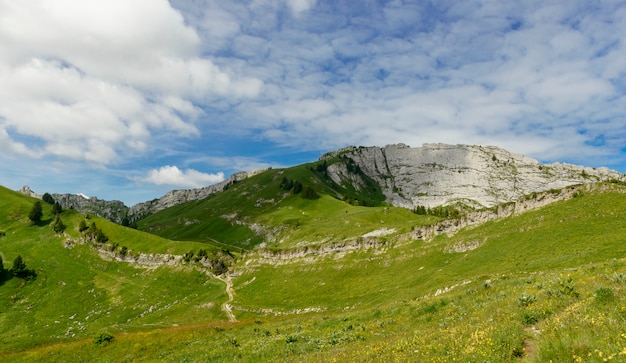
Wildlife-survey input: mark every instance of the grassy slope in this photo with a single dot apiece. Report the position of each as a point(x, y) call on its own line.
point(76, 293)
point(559, 270)
point(226, 217)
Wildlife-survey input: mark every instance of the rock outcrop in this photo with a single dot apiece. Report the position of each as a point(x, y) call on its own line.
point(118, 212)
point(439, 174)
point(113, 210)
point(176, 197)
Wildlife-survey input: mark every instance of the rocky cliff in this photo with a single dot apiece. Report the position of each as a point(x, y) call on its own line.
point(113, 210)
point(439, 174)
point(176, 197)
point(118, 212)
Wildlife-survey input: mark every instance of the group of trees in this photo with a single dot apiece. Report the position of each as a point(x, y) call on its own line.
point(18, 269)
point(440, 211)
point(215, 261)
point(36, 213)
point(92, 232)
point(296, 187)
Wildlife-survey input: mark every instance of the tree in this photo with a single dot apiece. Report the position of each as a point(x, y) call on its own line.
point(48, 198)
point(58, 225)
point(309, 193)
point(36, 213)
point(82, 226)
point(19, 267)
point(56, 208)
point(297, 187)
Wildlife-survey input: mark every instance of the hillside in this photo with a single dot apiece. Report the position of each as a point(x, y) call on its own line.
point(545, 284)
point(84, 288)
point(432, 175)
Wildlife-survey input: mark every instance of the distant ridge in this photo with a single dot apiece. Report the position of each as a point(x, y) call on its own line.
point(431, 175)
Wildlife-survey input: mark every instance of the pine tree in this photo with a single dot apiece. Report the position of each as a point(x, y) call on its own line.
point(58, 225)
point(19, 267)
point(36, 213)
point(56, 208)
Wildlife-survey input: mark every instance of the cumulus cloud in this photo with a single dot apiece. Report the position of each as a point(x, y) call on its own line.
point(188, 178)
point(90, 79)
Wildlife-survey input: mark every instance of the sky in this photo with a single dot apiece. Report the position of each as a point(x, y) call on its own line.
point(128, 99)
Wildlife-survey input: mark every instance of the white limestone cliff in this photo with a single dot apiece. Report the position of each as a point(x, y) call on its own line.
point(440, 174)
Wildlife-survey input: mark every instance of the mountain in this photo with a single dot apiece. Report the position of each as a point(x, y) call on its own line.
point(464, 176)
point(440, 174)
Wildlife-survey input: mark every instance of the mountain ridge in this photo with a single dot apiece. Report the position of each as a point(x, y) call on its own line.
point(432, 175)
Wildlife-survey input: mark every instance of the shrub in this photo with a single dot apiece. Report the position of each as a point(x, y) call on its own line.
point(103, 338)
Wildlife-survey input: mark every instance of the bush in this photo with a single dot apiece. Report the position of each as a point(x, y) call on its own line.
point(103, 338)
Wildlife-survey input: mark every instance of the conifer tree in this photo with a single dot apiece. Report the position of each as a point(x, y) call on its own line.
point(36, 213)
point(19, 267)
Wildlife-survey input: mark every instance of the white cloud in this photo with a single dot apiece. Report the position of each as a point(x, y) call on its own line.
point(90, 79)
point(189, 178)
point(298, 6)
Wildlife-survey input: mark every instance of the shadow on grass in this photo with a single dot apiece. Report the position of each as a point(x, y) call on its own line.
point(27, 276)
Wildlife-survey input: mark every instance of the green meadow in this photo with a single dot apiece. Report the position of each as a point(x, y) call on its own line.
point(546, 285)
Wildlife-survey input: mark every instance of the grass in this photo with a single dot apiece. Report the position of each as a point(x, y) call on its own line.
point(76, 293)
point(256, 210)
point(545, 285)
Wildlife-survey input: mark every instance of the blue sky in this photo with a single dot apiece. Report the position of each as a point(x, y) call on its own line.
point(129, 99)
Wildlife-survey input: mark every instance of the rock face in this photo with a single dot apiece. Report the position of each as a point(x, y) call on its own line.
point(175, 197)
point(439, 174)
point(118, 212)
point(113, 210)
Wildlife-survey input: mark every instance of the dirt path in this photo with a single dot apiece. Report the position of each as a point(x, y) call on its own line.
point(156, 260)
point(226, 307)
